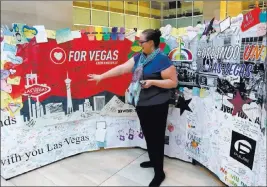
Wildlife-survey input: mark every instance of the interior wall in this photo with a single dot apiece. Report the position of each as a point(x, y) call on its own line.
point(51, 14)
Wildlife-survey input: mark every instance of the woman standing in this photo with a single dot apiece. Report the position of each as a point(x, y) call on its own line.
point(153, 77)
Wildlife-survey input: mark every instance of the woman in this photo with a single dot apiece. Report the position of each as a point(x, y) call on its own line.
point(153, 77)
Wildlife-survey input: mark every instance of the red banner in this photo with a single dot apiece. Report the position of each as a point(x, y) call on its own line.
point(251, 19)
point(56, 66)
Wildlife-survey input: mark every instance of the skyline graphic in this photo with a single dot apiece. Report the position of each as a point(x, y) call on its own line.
point(60, 107)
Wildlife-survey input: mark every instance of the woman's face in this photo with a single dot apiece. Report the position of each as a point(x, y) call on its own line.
point(147, 46)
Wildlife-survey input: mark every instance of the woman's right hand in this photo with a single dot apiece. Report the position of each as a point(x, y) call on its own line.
point(95, 77)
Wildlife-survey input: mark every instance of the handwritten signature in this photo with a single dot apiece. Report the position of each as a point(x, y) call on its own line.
point(31, 123)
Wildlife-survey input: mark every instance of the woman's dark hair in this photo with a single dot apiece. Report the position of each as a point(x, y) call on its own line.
point(154, 35)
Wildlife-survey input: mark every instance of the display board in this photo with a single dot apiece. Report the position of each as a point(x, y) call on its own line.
point(217, 115)
point(49, 109)
point(222, 95)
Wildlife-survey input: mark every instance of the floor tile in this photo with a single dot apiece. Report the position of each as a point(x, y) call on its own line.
point(117, 180)
point(107, 160)
point(114, 167)
point(171, 182)
point(5, 182)
point(95, 175)
point(61, 176)
point(32, 178)
point(135, 173)
point(195, 176)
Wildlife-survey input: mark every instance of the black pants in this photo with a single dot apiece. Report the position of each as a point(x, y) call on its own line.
point(153, 121)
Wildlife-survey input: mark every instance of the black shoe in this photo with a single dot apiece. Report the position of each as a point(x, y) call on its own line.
point(157, 180)
point(147, 164)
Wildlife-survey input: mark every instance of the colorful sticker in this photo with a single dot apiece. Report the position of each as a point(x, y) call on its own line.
point(10, 48)
point(10, 40)
point(63, 35)
point(14, 59)
point(90, 33)
point(41, 36)
point(99, 33)
point(114, 33)
point(13, 106)
point(196, 91)
point(5, 86)
point(29, 32)
point(121, 34)
point(18, 33)
point(51, 34)
point(6, 31)
point(14, 81)
point(263, 17)
point(106, 33)
point(4, 74)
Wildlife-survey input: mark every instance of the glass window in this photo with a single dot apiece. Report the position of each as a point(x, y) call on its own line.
point(248, 5)
point(198, 8)
point(155, 10)
point(78, 27)
point(197, 20)
point(144, 9)
point(186, 9)
point(155, 23)
point(172, 22)
point(198, 12)
point(144, 23)
point(169, 9)
point(99, 18)
point(131, 8)
point(185, 14)
point(130, 21)
point(116, 20)
point(100, 5)
point(116, 6)
point(81, 15)
point(184, 22)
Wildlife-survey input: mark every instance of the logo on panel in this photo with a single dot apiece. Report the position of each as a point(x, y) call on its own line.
point(243, 149)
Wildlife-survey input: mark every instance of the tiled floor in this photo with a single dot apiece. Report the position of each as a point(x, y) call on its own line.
point(114, 167)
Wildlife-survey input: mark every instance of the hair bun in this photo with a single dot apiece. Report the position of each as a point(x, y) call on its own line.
point(157, 32)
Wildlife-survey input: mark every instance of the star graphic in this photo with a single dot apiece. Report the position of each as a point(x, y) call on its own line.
point(238, 103)
point(183, 105)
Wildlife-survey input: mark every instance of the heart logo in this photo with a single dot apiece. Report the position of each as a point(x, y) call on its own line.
point(58, 55)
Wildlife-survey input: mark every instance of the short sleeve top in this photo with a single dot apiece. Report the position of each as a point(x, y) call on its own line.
point(152, 71)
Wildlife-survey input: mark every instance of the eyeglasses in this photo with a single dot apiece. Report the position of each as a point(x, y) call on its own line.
point(141, 42)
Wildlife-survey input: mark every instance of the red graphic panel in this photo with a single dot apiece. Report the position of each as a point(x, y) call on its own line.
point(74, 60)
point(251, 19)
